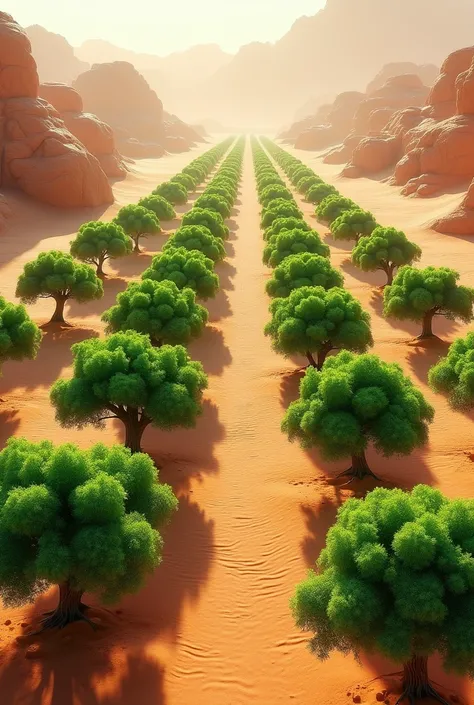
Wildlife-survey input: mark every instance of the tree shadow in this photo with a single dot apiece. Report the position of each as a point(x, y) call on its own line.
point(329, 239)
point(318, 520)
point(219, 307)
point(233, 226)
point(290, 386)
point(375, 279)
point(9, 422)
point(133, 265)
point(54, 355)
point(226, 272)
point(112, 287)
point(169, 225)
point(424, 354)
point(211, 350)
point(229, 248)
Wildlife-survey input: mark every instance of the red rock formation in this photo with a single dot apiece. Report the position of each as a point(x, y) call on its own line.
point(5, 212)
point(54, 56)
point(428, 73)
point(97, 137)
point(442, 98)
point(339, 120)
point(461, 220)
point(40, 156)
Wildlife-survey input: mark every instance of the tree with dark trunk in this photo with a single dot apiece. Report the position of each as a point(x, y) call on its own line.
point(353, 224)
point(355, 400)
point(313, 320)
point(421, 294)
point(81, 520)
point(128, 379)
point(137, 222)
point(393, 579)
point(385, 249)
point(57, 275)
point(99, 241)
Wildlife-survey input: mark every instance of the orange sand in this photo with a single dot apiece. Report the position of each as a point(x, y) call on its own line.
point(213, 627)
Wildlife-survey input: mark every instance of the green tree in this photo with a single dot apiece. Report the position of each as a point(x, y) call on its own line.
point(84, 520)
point(395, 578)
point(97, 242)
point(167, 314)
point(159, 205)
point(124, 377)
point(269, 178)
point(356, 400)
point(453, 375)
point(301, 172)
point(422, 294)
point(173, 192)
point(137, 222)
point(196, 171)
point(197, 237)
point(286, 224)
point(222, 191)
point(292, 242)
point(214, 202)
point(211, 220)
point(315, 320)
point(270, 193)
point(332, 207)
point(187, 269)
point(307, 182)
point(318, 192)
point(20, 337)
point(279, 208)
point(185, 180)
point(304, 269)
point(385, 249)
point(353, 224)
point(57, 275)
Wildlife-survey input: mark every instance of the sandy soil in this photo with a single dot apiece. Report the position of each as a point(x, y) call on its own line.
point(213, 627)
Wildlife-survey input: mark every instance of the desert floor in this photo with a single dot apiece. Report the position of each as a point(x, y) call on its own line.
point(213, 625)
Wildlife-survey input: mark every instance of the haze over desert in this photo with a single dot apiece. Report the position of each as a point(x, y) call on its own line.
point(237, 353)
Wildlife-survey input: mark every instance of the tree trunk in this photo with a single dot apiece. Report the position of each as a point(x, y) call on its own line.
point(427, 331)
point(70, 609)
point(322, 355)
point(358, 470)
point(137, 246)
point(311, 359)
point(416, 683)
point(100, 264)
point(389, 272)
point(58, 315)
point(133, 434)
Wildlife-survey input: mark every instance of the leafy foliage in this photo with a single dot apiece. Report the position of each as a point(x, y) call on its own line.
point(197, 237)
point(291, 242)
point(187, 269)
point(356, 400)
point(269, 178)
point(385, 249)
point(395, 577)
point(159, 309)
point(304, 269)
point(332, 207)
point(454, 374)
point(270, 193)
point(221, 190)
point(305, 183)
point(214, 202)
point(87, 517)
point(318, 192)
point(352, 224)
point(185, 180)
point(20, 337)
point(137, 222)
point(286, 224)
point(97, 241)
point(279, 208)
point(211, 220)
point(159, 205)
point(173, 192)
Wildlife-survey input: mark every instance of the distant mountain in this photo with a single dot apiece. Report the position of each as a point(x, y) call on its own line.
point(54, 56)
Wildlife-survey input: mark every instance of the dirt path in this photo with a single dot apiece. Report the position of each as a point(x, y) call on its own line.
point(213, 625)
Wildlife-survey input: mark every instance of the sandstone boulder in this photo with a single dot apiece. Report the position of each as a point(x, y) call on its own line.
point(5, 212)
point(461, 220)
point(40, 155)
point(338, 121)
point(428, 73)
point(442, 98)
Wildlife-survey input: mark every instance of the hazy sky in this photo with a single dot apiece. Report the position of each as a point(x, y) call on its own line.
point(163, 26)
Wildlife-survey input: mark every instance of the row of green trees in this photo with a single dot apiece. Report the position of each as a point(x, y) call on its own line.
point(396, 574)
point(89, 521)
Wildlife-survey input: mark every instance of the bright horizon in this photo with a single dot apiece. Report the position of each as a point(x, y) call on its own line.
point(177, 27)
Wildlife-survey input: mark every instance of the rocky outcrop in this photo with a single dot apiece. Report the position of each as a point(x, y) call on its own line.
point(427, 73)
point(40, 155)
point(54, 56)
point(5, 212)
point(338, 123)
point(461, 220)
point(97, 137)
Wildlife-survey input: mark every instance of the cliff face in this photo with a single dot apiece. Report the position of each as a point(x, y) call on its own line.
point(54, 56)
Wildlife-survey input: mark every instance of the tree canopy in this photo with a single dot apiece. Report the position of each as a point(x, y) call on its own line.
point(332, 207)
point(123, 376)
point(137, 222)
point(85, 520)
point(214, 202)
point(307, 182)
point(175, 193)
point(269, 178)
point(291, 242)
point(57, 275)
point(453, 375)
point(197, 237)
point(186, 268)
point(304, 269)
point(279, 208)
point(211, 220)
point(159, 309)
point(356, 400)
point(421, 294)
point(318, 192)
point(286, 224)
point(314, 320)
point(270, 193)
point(385, 249)
point(185, 180)
point(221, 189)
point(159, 205)
point(20, 337)
point(98, 241)
point(352, 224)
point(395, 578)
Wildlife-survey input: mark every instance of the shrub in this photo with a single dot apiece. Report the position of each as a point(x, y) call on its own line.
point(285, 224)
point(97, 242)
point(137, 222)
point(268, 179)
point(313, 320)
point(318, 192)
point(332, 207)
point(222, 191)
point(160, 207)
point(20, 337)
point(198, 173)
point(214, 202)
point(351, 225)
point(56, 275)
point(304, 269)
point(270, 193)
point(85, 520)
point(292, 242)
point(211, 220)
point(307, 182)
point(394, 578)
point(454, 374)
point(197, 237)
point(279, 209)
point(123, 376)
point(421, 294)
point(187, 269)
point(185, 180)
point(173, 192)
point(386, 249)
point(301, 172)
point(356, 400)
